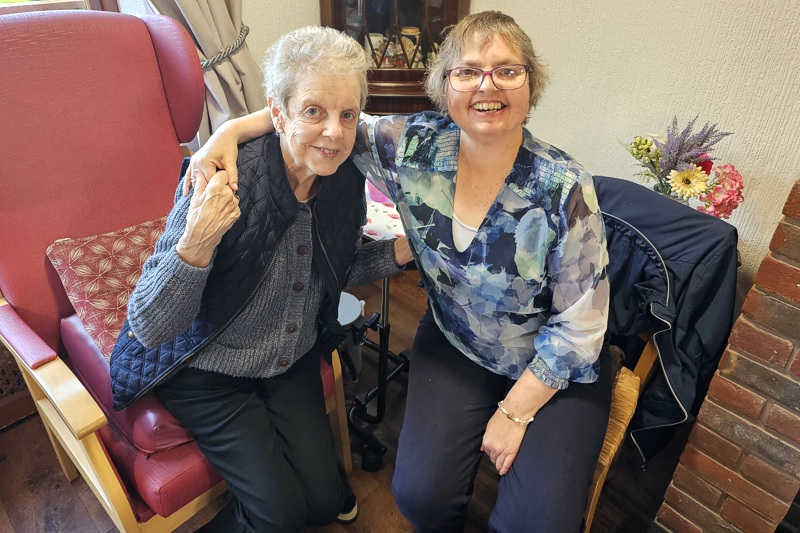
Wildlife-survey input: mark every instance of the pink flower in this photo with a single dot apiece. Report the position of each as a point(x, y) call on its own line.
point(726, 194)
point(725, 209)
point(729, 177)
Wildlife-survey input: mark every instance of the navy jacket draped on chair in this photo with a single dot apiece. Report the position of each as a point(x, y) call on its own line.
point(673, 271)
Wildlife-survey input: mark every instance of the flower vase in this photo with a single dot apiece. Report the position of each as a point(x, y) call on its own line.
point(681, 200)
point(668, 194)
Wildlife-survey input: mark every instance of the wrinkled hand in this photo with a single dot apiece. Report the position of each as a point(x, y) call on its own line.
point(501, 441)
point(218, 153)
point(402, 251)
point(213, 209)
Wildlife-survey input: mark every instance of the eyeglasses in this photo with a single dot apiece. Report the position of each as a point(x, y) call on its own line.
point(504, 77)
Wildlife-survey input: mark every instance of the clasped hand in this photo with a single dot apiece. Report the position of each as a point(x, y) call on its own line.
point(213, 209)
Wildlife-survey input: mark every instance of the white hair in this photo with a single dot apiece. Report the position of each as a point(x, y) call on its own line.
point(312, 49)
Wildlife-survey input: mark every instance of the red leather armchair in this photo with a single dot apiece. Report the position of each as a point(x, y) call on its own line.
point(94, 106)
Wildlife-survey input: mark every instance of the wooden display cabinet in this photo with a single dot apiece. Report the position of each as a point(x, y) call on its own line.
point(409, 29)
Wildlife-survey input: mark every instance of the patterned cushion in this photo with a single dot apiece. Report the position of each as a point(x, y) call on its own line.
point(100, 272)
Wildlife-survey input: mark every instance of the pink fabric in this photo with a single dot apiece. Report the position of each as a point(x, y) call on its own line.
point(328, 383)
point(147, 424)
point(383, 220)
point(164, 481)
point(100, 272)
point(375, 195)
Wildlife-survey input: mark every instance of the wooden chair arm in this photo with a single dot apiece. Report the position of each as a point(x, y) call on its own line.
point(647, 361)
point(76, 407)
point(51, 381)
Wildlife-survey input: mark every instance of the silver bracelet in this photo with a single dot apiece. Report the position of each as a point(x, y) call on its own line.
point(510, 415)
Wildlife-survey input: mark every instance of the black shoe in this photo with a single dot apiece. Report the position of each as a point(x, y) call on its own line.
point(349, 511)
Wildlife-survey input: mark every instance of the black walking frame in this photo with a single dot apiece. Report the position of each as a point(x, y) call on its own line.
point(374, 450)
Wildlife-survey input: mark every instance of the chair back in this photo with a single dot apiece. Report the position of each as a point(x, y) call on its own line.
point(94, 106)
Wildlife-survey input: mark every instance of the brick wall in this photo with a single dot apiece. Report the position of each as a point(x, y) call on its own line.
point(741, 467)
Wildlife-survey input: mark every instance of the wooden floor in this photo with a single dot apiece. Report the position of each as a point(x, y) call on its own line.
point(36, 497)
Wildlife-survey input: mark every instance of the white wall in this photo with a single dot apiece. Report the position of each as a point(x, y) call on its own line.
point(621, 68)
point(269, 19)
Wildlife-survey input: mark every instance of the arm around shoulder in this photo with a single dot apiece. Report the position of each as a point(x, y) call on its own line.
point(220, 151)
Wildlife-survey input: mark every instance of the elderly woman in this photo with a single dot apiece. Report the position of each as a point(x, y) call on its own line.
point(510, 244)
point(241, 295)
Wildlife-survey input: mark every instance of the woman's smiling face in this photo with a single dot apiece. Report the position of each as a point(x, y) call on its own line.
point(319, 128)
point(489, 113)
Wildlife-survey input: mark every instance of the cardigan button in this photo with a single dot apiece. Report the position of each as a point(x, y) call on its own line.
point(283, 361)
point(291, 328)
point(301, 250)
point(297, 287)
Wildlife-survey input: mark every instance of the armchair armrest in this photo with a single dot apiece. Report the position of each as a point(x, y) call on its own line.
point(21, 339)
point(46, 372)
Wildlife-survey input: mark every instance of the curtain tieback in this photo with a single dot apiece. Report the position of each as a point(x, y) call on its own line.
point(210, 62)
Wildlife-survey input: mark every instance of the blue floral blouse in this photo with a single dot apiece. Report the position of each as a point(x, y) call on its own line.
point(530, 291)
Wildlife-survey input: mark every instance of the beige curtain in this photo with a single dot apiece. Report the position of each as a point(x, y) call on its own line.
point(233, 83)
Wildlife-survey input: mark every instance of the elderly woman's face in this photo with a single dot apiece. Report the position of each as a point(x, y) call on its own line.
point(320, 124)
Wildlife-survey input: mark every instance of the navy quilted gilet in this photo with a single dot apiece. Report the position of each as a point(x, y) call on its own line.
point(268, 207)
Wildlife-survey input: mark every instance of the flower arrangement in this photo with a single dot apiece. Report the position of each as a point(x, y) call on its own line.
point(681, 167)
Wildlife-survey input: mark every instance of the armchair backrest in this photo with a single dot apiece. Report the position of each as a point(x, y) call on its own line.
point(90, 143)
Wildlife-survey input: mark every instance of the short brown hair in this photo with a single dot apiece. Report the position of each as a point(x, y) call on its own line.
point(481, 28)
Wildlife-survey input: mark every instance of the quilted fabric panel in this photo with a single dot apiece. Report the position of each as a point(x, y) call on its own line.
point(136, 369)
point(99, 274)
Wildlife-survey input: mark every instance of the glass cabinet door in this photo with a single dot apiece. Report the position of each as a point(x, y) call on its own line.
point(396, 33)
point(400, 38)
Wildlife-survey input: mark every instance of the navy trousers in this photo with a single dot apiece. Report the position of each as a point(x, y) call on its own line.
point(450, 401)
point(269, 439)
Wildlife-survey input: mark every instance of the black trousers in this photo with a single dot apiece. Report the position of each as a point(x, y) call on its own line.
point(269, 439)
point(450, 401)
